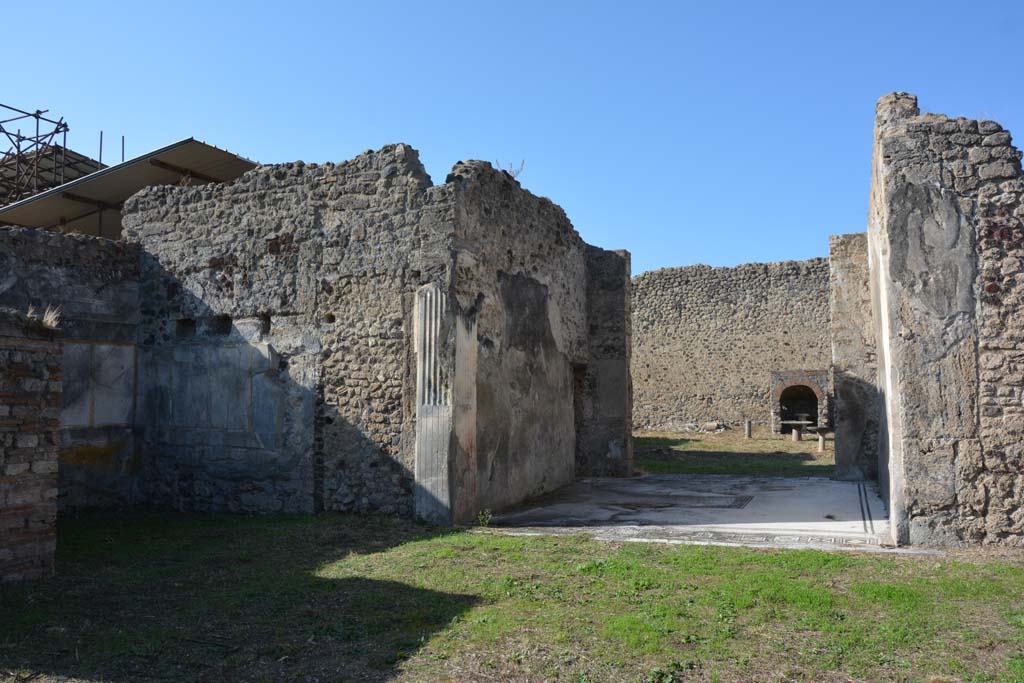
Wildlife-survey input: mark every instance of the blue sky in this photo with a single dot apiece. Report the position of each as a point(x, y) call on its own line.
point(686, 132)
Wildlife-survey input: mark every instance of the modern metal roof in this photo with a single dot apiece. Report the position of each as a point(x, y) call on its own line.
point(92, 204)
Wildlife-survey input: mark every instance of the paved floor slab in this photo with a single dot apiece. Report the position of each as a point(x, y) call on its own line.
point(808, 512)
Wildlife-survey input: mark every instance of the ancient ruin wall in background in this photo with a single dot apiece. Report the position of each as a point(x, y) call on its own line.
point(945, 237)
point(94, 283)
point(855, 370)
point(30, 389)
point(705, 340)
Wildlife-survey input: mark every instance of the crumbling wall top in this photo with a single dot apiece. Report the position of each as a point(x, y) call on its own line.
point(391, 166)
point(894, 107)
point(703, 270)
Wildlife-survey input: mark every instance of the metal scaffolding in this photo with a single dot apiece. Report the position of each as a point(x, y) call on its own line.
point(37, 157)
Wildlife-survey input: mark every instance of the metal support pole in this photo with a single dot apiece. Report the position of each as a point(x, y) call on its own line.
point(748, 428)
point(31, 158)
point(35, 176)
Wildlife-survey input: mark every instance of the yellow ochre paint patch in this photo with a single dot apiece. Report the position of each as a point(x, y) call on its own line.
point(104, 457)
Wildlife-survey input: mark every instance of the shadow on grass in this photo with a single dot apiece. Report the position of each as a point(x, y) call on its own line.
point(711, 462)
point(163, 597)
point(662, 441)
point(728, 454)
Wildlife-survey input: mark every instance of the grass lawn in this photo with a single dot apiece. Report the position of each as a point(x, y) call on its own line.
point(728, 452)
point(159, 597)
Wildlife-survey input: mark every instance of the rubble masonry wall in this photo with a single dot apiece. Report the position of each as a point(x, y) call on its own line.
point(277, 356)
point(705, 340)
point(945, 237)
point(854, 366)
point(275, 372)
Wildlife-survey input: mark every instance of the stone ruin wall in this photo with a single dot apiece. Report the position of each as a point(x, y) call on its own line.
point(248, 346)
point(268, 322)
point(604, 394)
point(538, 293)
point(705, 340)
point(277, 364)
point(521, 266)
point(946, 229)
point(309, 271)
point(94, 283)
point(854, 359)
point(30, 393)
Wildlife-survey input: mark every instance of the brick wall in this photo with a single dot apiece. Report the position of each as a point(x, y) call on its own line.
point(94, 282)
point(30, 389)
point(816, 380)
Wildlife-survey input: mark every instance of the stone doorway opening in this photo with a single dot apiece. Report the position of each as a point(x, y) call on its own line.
point(800, 398)
point(798, 403)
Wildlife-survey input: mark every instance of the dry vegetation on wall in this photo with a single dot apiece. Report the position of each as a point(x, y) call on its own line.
point(33, 318)
point(371, 598)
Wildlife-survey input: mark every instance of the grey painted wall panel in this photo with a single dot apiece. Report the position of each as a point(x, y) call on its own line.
point(77, 381)
point(113, 373)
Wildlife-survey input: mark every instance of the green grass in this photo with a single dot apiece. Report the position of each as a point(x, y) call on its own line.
point(728, 452)
point(155, 597)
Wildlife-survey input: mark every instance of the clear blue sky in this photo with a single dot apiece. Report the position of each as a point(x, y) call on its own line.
point(686, 132)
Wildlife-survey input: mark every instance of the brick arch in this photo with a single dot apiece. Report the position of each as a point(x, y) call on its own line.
point(813, 386)
point(816, 380)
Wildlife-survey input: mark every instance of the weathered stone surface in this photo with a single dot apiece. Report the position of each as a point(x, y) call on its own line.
point(854, 365)
point(705, 340)
point(269, 324)
point(603, 395)
point(314, 266)
point(945, 251)
point(320, 264)
point(28, 448)
point(78, 398)
point(543, 305)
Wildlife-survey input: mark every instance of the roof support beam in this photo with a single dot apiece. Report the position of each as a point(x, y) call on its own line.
point(64, 221)
point(184, 171)
point(101, 205)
